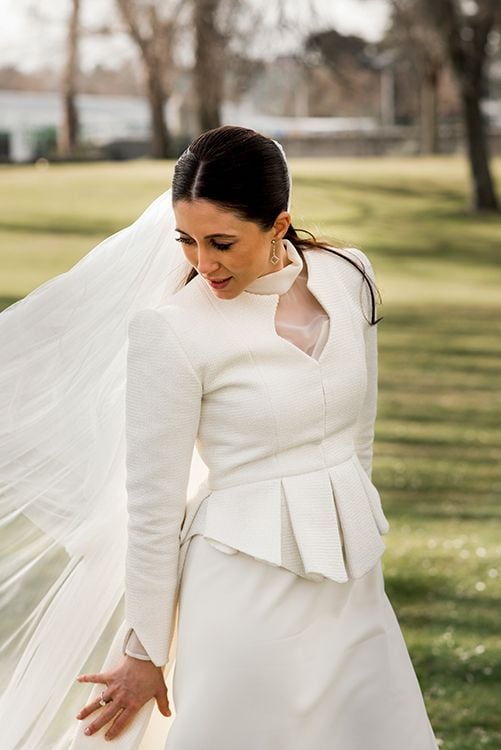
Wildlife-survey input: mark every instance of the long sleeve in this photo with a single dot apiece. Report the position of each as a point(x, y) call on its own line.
point(163, 402)
point(365, 427)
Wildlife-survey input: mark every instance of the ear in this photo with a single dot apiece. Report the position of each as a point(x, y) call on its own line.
point(281, 225)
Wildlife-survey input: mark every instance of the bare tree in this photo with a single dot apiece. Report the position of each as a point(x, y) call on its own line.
point(465, 26)
point(210, 44)
point(222, 31)
point(425, 49)
point(68, 132)
point(152, 27)
point(225, 31)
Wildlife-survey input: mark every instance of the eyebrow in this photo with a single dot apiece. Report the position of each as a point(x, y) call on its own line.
point(211, 236)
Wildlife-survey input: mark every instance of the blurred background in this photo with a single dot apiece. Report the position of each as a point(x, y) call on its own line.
point(390, 115)
point(118, 79)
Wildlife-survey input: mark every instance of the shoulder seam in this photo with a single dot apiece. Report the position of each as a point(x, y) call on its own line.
point(173, 332)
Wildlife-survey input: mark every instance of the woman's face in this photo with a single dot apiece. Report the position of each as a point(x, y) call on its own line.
point(220, 245)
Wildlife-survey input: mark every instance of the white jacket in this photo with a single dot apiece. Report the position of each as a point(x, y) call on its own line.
point(287, 439)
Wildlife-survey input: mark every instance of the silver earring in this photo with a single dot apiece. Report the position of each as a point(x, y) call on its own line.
point(274, 258)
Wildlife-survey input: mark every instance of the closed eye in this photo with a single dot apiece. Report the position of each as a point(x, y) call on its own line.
point(217, 245)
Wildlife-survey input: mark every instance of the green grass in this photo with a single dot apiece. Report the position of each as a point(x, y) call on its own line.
point(438, 439)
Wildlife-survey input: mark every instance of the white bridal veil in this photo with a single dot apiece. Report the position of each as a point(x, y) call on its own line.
point(62, 473)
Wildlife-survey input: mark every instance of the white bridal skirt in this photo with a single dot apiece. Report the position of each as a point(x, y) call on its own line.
point(267, 660)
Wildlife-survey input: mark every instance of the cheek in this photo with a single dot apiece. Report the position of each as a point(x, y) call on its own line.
point(254, 259)
point(190, 254)
point(258, 266)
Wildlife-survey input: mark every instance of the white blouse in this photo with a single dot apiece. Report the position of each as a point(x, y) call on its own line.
point(300, 319)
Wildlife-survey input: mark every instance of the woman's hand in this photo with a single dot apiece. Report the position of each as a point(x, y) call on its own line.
point(129, 686)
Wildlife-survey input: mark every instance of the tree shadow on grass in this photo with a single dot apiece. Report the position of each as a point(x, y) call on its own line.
point(424, 602)
point(490, 512)
point(61, 225)
point(428, 325)
point(6, 302)
point(416, 189)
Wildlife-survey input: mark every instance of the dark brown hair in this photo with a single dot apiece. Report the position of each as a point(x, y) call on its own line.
point(246, 173)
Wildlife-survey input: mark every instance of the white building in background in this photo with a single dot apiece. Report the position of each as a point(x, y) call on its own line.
point(276, 125)
point(103, 119)
point(107, 119)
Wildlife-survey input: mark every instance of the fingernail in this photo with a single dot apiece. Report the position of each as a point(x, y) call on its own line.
point(87, 731)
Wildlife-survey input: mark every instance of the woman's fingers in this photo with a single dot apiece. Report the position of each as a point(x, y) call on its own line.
point(163, 702)
point(119, 724)
point(107, 714)
point(101, 677)
point(128, 687)
point(89, 709)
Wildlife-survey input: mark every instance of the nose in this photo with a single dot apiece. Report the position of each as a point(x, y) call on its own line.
point(207, 262)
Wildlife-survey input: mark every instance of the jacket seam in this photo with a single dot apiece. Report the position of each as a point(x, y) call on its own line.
point(182, 348)
point(263, 380)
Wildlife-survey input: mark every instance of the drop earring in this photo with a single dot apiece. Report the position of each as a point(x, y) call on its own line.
point(274, 258)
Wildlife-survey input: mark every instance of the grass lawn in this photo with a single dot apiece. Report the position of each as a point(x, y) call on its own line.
point(438, 441)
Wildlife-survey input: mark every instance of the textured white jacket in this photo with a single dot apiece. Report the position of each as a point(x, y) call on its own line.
point(287, 439)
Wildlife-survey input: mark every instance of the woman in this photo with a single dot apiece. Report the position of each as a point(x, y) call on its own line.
point(265, 362)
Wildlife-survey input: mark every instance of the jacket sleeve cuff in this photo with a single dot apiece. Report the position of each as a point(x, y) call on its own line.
point(132, 646)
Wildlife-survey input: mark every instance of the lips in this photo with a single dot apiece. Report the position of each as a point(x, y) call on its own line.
point(219, 283)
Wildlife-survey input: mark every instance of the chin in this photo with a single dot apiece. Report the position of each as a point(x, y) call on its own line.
point(225, 293)
point(229, 292)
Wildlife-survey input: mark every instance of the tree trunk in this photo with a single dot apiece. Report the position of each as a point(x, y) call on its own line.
point(483, 196)
point(154, 38)
point(209, 64)
point(387, 96)
point(428, 114)
point(157, 99)
point(466, 41)
point(68, 132)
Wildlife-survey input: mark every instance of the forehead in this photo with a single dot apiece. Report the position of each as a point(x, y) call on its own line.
point(207, 217)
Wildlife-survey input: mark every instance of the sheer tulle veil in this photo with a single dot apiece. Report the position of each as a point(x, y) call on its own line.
point(62, 478)
point(62, 472)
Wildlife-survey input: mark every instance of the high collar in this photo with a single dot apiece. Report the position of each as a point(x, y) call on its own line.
point(279, 282)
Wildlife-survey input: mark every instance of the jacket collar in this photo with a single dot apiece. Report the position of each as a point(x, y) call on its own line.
point(265, 289)
point(279, 282)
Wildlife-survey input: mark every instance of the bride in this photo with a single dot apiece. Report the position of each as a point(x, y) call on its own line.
point(186, 479)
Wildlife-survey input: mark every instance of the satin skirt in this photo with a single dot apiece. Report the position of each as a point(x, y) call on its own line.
point(266, 660)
